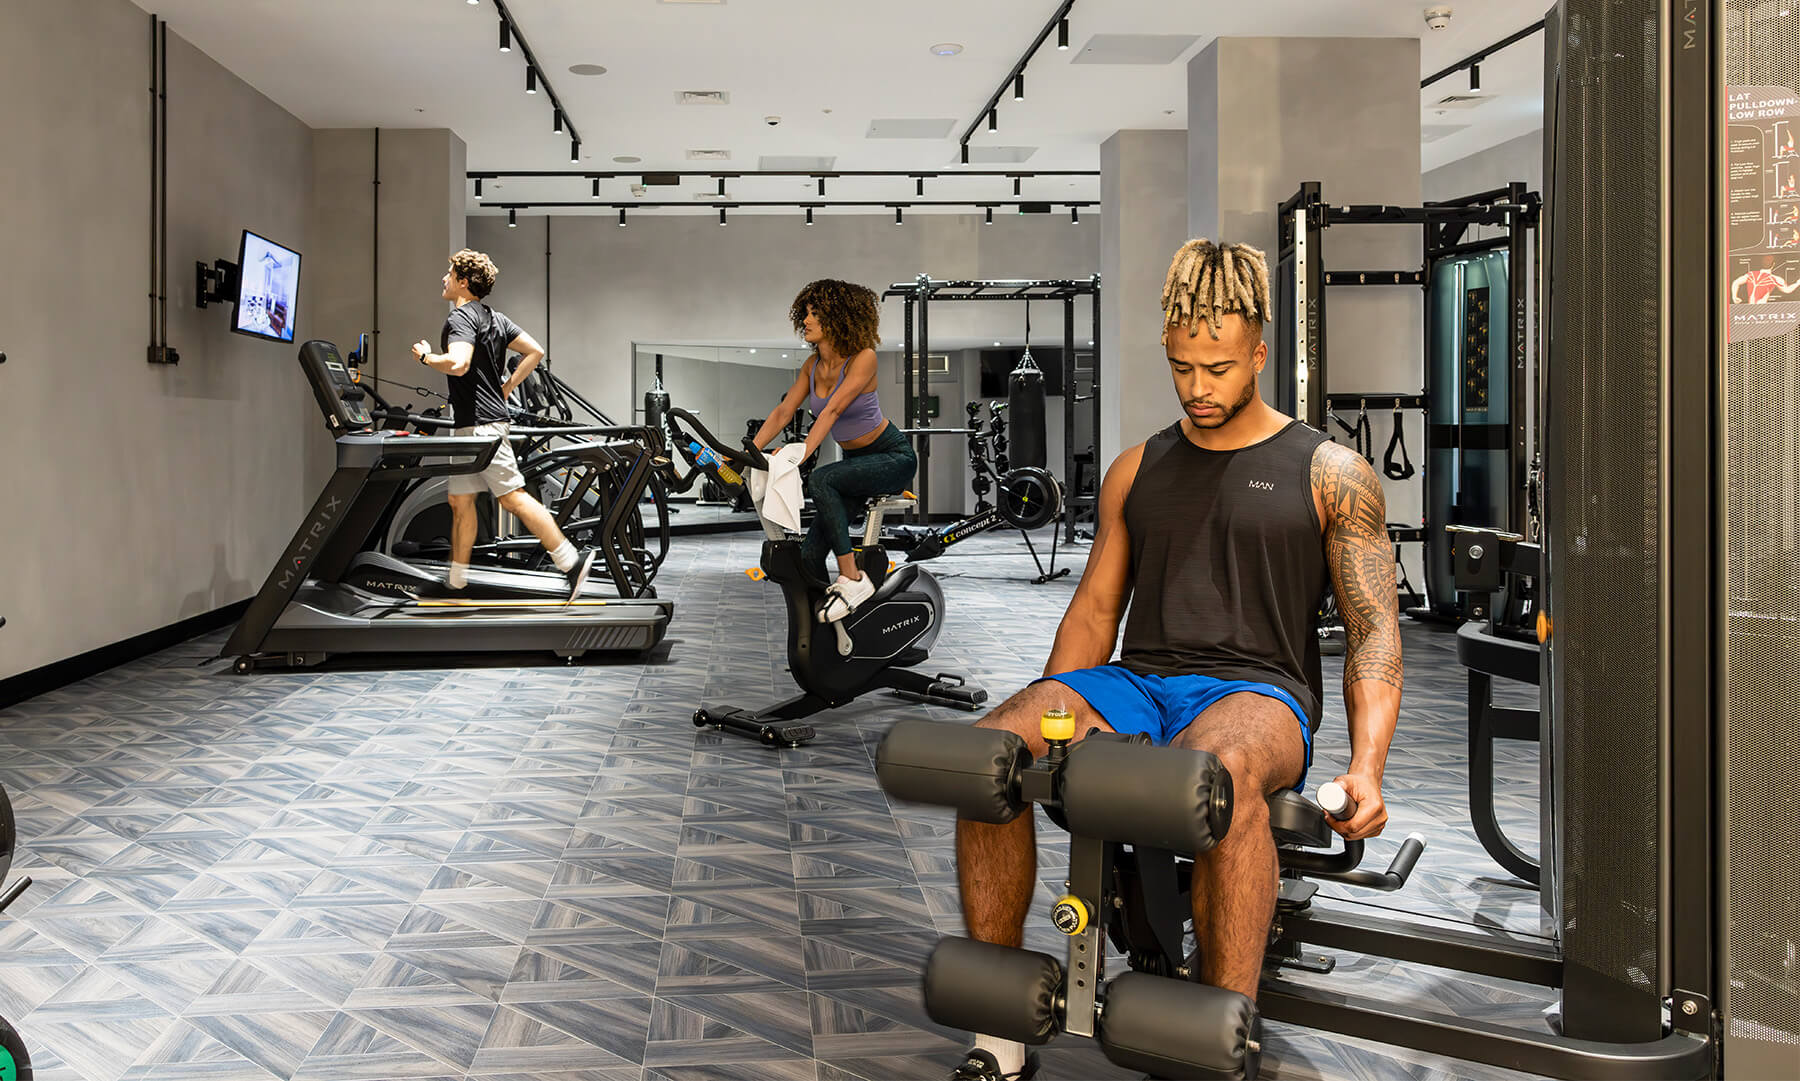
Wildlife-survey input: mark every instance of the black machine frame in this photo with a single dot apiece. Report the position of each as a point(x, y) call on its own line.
point(1300, 331)
point(922, 292)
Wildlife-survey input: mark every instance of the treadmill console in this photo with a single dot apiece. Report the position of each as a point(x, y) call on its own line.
point(341, 400)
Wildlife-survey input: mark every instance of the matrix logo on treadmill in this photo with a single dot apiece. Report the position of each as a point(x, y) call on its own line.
point(302, 554)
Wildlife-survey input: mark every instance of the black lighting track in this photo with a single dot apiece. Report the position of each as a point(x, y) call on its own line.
point(810, 174)
point(1477, 57)
point(798, 204)
point(1018, 70)
point(543, 78)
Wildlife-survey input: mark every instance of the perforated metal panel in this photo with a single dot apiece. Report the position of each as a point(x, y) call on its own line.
point(1602, 530)
point(1761, 741)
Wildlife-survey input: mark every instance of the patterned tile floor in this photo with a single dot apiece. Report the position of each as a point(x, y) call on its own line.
point(514, 870)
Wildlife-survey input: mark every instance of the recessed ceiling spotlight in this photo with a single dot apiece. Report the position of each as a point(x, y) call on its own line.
point(946, 48)
point(586, 69)
point(628, 159)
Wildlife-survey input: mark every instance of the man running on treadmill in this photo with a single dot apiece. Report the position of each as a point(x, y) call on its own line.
point(472, 351)
point(1222, 533)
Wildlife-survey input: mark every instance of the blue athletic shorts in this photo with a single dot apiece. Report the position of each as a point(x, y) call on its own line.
point(1164, 705)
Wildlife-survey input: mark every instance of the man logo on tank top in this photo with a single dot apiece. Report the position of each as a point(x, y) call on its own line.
point(1263, 485)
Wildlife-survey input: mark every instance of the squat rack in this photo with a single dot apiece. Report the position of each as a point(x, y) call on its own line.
point(919, 295)
point(1300, 371)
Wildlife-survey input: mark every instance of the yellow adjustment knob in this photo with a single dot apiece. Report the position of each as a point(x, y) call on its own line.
point(1070, 915)
point(1544, 626)
point(1057, 724)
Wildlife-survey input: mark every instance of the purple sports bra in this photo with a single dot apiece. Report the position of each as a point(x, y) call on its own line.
point(859, 418)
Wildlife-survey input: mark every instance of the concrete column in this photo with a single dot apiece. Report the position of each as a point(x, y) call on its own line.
point(1264, 115)
point(422, 213)
point(1142, 222)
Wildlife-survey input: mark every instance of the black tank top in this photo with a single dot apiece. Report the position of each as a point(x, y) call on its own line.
point(1227, 563)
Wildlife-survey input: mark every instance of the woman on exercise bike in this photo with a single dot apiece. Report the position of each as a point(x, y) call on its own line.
point(842, 322)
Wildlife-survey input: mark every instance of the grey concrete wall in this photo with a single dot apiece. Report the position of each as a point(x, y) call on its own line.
point(685, 279)
point(137, 495)
point(1515, 159)
point(1144, 212)
point(1345, 112)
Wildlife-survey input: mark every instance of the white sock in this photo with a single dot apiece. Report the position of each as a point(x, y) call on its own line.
point(459, 575)
point(564, 556)
point(1010, 1054)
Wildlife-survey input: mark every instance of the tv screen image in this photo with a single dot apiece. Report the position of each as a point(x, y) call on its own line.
point(268, 284)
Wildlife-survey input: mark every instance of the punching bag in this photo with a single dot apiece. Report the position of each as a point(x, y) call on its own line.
point(1025, 406)
point(656, 405)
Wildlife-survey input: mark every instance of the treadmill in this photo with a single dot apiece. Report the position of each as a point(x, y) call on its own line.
point(343, 400)
point(311, 606)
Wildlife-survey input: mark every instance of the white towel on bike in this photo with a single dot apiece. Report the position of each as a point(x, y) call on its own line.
point(778, 493)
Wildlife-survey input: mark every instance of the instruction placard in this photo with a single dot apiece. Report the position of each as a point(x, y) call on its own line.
point(1763, 210)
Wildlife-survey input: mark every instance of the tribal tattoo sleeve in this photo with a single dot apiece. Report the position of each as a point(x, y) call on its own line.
point(1361, 562)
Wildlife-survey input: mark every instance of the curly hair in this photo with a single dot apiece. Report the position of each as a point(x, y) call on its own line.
point(849, 314)
point(1207, 281)
point(477, 269)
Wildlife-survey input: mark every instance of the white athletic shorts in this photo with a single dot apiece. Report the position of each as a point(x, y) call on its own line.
point(502, 474)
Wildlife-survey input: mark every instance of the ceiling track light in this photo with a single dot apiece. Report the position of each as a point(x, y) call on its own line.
point(990, 216)
point(556, 123)
point(1019, 87)
point(921, 185)
point(721, 185)
point(621, 218)
point(505, 36)
point(721, 215)
point(965, 153)
point(478, 188)
point(530, 80)
point(899, 218)
point(821, 186)
point(1062, 33)
point(993, 120)
point(596, 187)
point(1474, 78)
point(574, 149)
point(809, 215)
point(1018, 182)
point(1074, 215)
point(512, 219)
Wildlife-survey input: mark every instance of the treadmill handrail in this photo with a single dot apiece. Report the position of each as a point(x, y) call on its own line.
point(400, 455)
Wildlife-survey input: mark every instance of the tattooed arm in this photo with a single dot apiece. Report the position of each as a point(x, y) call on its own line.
point(1361, 560)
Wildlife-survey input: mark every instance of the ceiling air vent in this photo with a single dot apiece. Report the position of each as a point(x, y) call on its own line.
point(703, 97)
point(709, 155)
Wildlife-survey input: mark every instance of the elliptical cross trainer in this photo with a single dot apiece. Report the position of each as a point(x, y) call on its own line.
point(875, 647)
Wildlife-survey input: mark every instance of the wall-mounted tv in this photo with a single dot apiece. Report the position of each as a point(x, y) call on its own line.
point(268, 284)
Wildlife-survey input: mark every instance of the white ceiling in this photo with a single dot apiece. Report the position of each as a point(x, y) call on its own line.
point(828, 68)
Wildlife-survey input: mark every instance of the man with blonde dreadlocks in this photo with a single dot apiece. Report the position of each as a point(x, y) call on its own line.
point(1222, 532)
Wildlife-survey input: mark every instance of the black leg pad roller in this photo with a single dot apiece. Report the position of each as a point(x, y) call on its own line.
point(1155, 797)
point(1172, 1028)
point(974, 770)
point(995, 990)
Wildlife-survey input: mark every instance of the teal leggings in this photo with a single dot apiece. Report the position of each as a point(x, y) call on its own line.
point(883, 467)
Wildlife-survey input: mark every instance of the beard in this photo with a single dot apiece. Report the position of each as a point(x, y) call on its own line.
point(1225, 412)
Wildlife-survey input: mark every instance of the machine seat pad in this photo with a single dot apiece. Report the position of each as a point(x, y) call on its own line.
point(1297, 820)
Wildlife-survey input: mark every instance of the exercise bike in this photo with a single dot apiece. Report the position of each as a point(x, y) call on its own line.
point(873, 648)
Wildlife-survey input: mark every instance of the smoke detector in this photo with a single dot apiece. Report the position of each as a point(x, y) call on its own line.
point(1438, 17)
